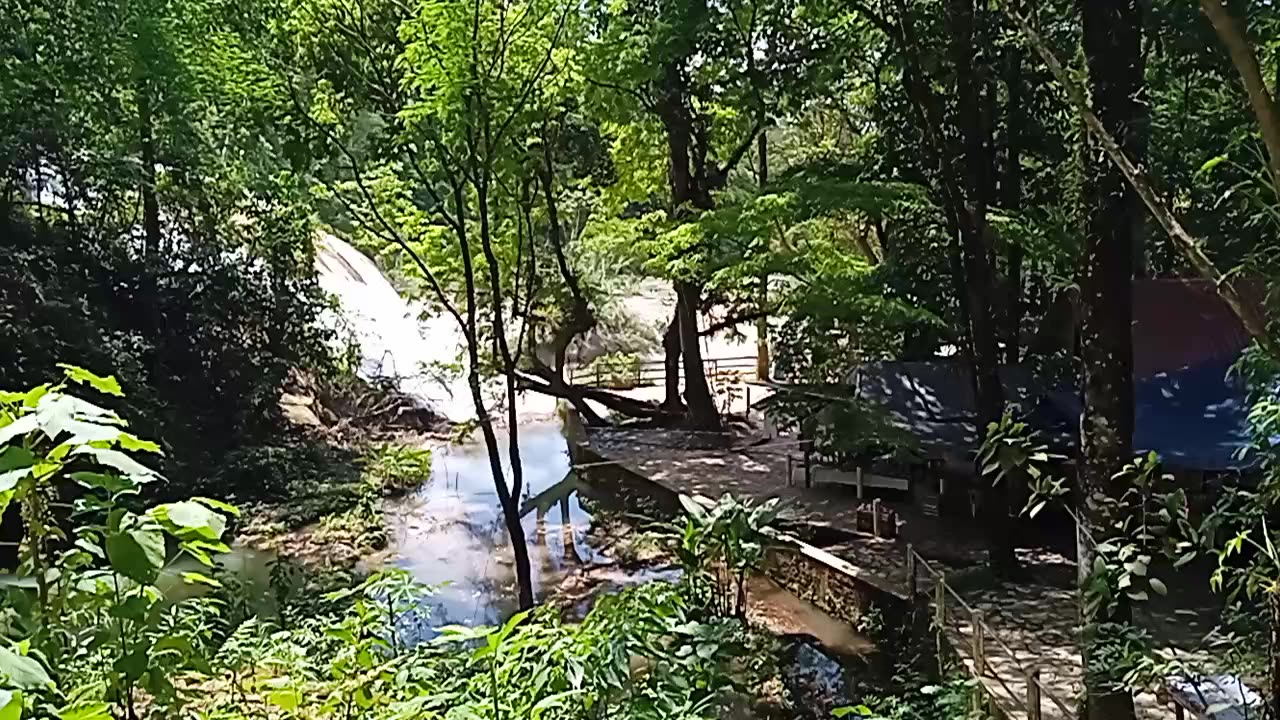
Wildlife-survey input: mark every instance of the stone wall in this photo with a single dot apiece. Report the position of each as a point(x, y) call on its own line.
point(832, 584)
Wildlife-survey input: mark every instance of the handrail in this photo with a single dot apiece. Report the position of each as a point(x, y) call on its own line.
point(655, 370)
point(988, 631)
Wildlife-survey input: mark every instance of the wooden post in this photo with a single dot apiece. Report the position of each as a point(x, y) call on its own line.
point(858, 475)
point(940, 616)
point(808, 463)
point(911, 572)
point(1033, 695)
point(979, 644)
point(747, 412)
point(790, 470)
point(875, 517)
point(824, 586)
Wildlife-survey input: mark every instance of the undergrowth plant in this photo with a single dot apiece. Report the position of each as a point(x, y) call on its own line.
point(720, 544)
point(87, 631)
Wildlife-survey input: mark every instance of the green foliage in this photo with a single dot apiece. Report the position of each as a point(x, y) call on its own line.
point(88, 633)
point(150, 221)
point(395, 467)
point(949, 700)
point(614, 370)
point(88, 625)
point(720, 544)
point(637, 655)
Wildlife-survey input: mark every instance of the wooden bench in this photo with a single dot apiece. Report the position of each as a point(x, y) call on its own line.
point(1212, 697)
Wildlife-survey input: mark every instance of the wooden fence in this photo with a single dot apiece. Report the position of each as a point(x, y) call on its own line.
point(948, 611)
point(654, 372)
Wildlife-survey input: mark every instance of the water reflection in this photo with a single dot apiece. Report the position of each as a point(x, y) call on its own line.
point(450, 532)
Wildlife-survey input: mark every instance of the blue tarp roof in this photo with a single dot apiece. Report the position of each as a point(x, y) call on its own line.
point(1194, 418)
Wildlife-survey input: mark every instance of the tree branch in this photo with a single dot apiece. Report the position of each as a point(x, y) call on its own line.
point(1191, 248)
point(1232, 33)
point(738, 153)
point(734, 321)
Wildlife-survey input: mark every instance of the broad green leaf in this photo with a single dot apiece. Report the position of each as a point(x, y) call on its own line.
point(285, 699)
point(10, 704)
point(189, 520)
point(111, 483)
point(195, 578)
point(14, 457)
point(1159, 586)
point(18, 428)
point(86, 711)
point(132, 443)
point(58, 415)
point(21, 671)
point(137, 553)
point(108, 384)
point(1212, 163)
point(227, 508)
point(9, 480)
point(118, 460)
point(134, 664)
point(33, 396)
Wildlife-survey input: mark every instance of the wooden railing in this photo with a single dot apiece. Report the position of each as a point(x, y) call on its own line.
point(654, 372)
point(1029, 702)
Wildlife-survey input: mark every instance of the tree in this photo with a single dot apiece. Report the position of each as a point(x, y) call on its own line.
point(446, 173)
point(1112, 39)
point(960, 168)
point(701, 79)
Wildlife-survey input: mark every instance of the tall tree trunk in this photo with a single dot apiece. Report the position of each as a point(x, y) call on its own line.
point(1011, 198)
point(511, 506)
point(671, 364)
point(1273, 651)
point(972, 164)
point(150, 205)
point(762, 324)
point(688, 191)
point(1112, 37)
point(703, 414)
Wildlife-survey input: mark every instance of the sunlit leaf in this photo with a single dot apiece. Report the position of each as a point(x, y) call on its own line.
point(108, 384)
point(21, 671)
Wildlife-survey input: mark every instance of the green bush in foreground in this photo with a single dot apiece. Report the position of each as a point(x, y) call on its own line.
point(88, 634)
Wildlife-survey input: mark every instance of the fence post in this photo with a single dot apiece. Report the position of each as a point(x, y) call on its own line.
point(858, 474)
point(808, 463)
point(911, 572)
point(979, 644)
point(1033, 695)
point(875, 517)
point(940, 615)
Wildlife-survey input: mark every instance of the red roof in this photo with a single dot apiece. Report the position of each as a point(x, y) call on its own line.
point(1182, 323)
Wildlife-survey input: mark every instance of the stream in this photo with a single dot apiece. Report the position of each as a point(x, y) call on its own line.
point(449, 533)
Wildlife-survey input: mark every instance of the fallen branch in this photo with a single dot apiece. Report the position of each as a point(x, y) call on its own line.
point(544, 380)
